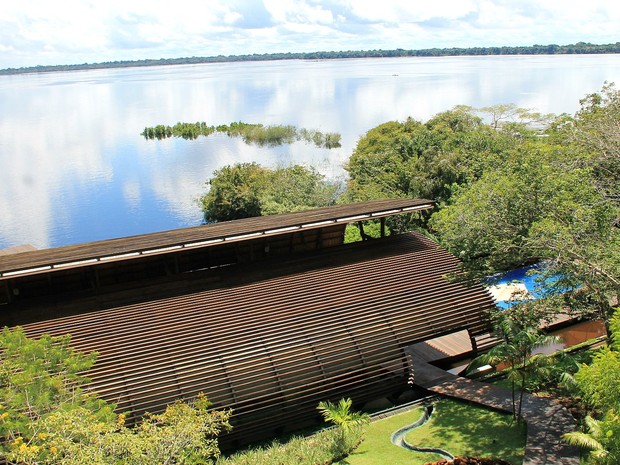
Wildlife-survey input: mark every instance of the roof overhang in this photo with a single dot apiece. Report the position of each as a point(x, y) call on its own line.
point(167, 242)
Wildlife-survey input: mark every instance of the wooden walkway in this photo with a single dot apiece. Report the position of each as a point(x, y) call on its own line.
point(546, 420)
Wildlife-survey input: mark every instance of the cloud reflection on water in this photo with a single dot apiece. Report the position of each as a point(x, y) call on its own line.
point(74, 167)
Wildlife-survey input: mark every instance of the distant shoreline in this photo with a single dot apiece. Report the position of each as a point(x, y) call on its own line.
point(580, 48)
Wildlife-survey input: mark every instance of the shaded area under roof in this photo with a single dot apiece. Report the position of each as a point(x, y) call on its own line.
point(126, 248)
point(275, 338)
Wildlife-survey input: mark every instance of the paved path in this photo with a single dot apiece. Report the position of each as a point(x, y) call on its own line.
point(546, 420)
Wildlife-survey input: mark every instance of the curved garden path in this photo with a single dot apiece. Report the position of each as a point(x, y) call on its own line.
point(546, 420)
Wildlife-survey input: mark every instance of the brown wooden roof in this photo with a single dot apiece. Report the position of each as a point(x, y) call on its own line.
point(87, 254)
point(270, 342)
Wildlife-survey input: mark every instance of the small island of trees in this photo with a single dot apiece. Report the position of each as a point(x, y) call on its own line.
point(270, 136)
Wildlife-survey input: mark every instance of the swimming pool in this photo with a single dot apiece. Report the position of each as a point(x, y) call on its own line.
point(523, 283)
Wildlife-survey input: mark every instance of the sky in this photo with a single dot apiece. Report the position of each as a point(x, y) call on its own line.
point(53, 32)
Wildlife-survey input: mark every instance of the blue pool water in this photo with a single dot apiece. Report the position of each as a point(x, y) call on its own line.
point(527, 275)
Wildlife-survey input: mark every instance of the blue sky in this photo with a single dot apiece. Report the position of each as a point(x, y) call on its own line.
point(41, 32)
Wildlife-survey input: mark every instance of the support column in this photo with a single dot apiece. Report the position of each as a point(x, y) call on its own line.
point(363, 234)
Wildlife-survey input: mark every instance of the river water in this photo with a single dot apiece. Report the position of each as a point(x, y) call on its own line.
point(74, 168)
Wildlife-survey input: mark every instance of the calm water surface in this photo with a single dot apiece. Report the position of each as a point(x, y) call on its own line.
point(74, 168)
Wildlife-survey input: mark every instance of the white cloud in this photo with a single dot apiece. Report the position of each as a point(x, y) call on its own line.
point(299, 12)
point(39, 32)
point(396, 11)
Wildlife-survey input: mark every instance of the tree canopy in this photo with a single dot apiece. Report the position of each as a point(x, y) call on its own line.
point(244, 190)
point(48, 416)
point(536, 49)
point(553, 198)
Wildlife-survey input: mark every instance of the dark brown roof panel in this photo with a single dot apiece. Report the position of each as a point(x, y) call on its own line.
point(272, 348)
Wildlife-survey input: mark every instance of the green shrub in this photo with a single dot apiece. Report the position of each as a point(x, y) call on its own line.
point(326, 447)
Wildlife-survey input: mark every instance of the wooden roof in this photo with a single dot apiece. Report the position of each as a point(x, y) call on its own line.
point(274, 339)
point(87, 254)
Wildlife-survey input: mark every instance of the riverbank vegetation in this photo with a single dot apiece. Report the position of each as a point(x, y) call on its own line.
point(513, 187)
point(550, 49)
point(270, 136)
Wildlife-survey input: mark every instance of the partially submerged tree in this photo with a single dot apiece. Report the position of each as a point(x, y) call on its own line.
point(234, 192)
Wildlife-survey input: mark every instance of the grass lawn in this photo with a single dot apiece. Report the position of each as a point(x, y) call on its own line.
point(456, 427)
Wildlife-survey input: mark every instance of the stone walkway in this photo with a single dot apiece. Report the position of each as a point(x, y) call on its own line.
point(546, 420)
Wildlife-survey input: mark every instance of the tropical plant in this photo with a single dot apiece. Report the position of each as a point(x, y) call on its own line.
point(599, 381)
point(520, 336)
point(599, 384)
point(39, 377)
point(48, 416)
point(601, 438)
point(342, 415)
point(325, 447)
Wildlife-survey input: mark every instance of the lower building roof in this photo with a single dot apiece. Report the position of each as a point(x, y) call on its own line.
point(273, 339)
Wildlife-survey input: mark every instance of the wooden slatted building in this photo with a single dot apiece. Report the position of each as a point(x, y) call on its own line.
point(268, 323)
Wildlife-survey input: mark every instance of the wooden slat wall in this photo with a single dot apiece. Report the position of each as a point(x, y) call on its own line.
point(147, 269)
point(272, 348)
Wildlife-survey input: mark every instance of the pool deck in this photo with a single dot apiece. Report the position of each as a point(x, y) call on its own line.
point(510, 292)
point(546, 420)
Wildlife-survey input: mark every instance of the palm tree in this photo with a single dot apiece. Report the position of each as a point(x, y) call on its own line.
point(342, 416)
point(597, 439)
point(519, 339)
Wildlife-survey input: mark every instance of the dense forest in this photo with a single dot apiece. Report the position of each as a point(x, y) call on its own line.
point(551, 49)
